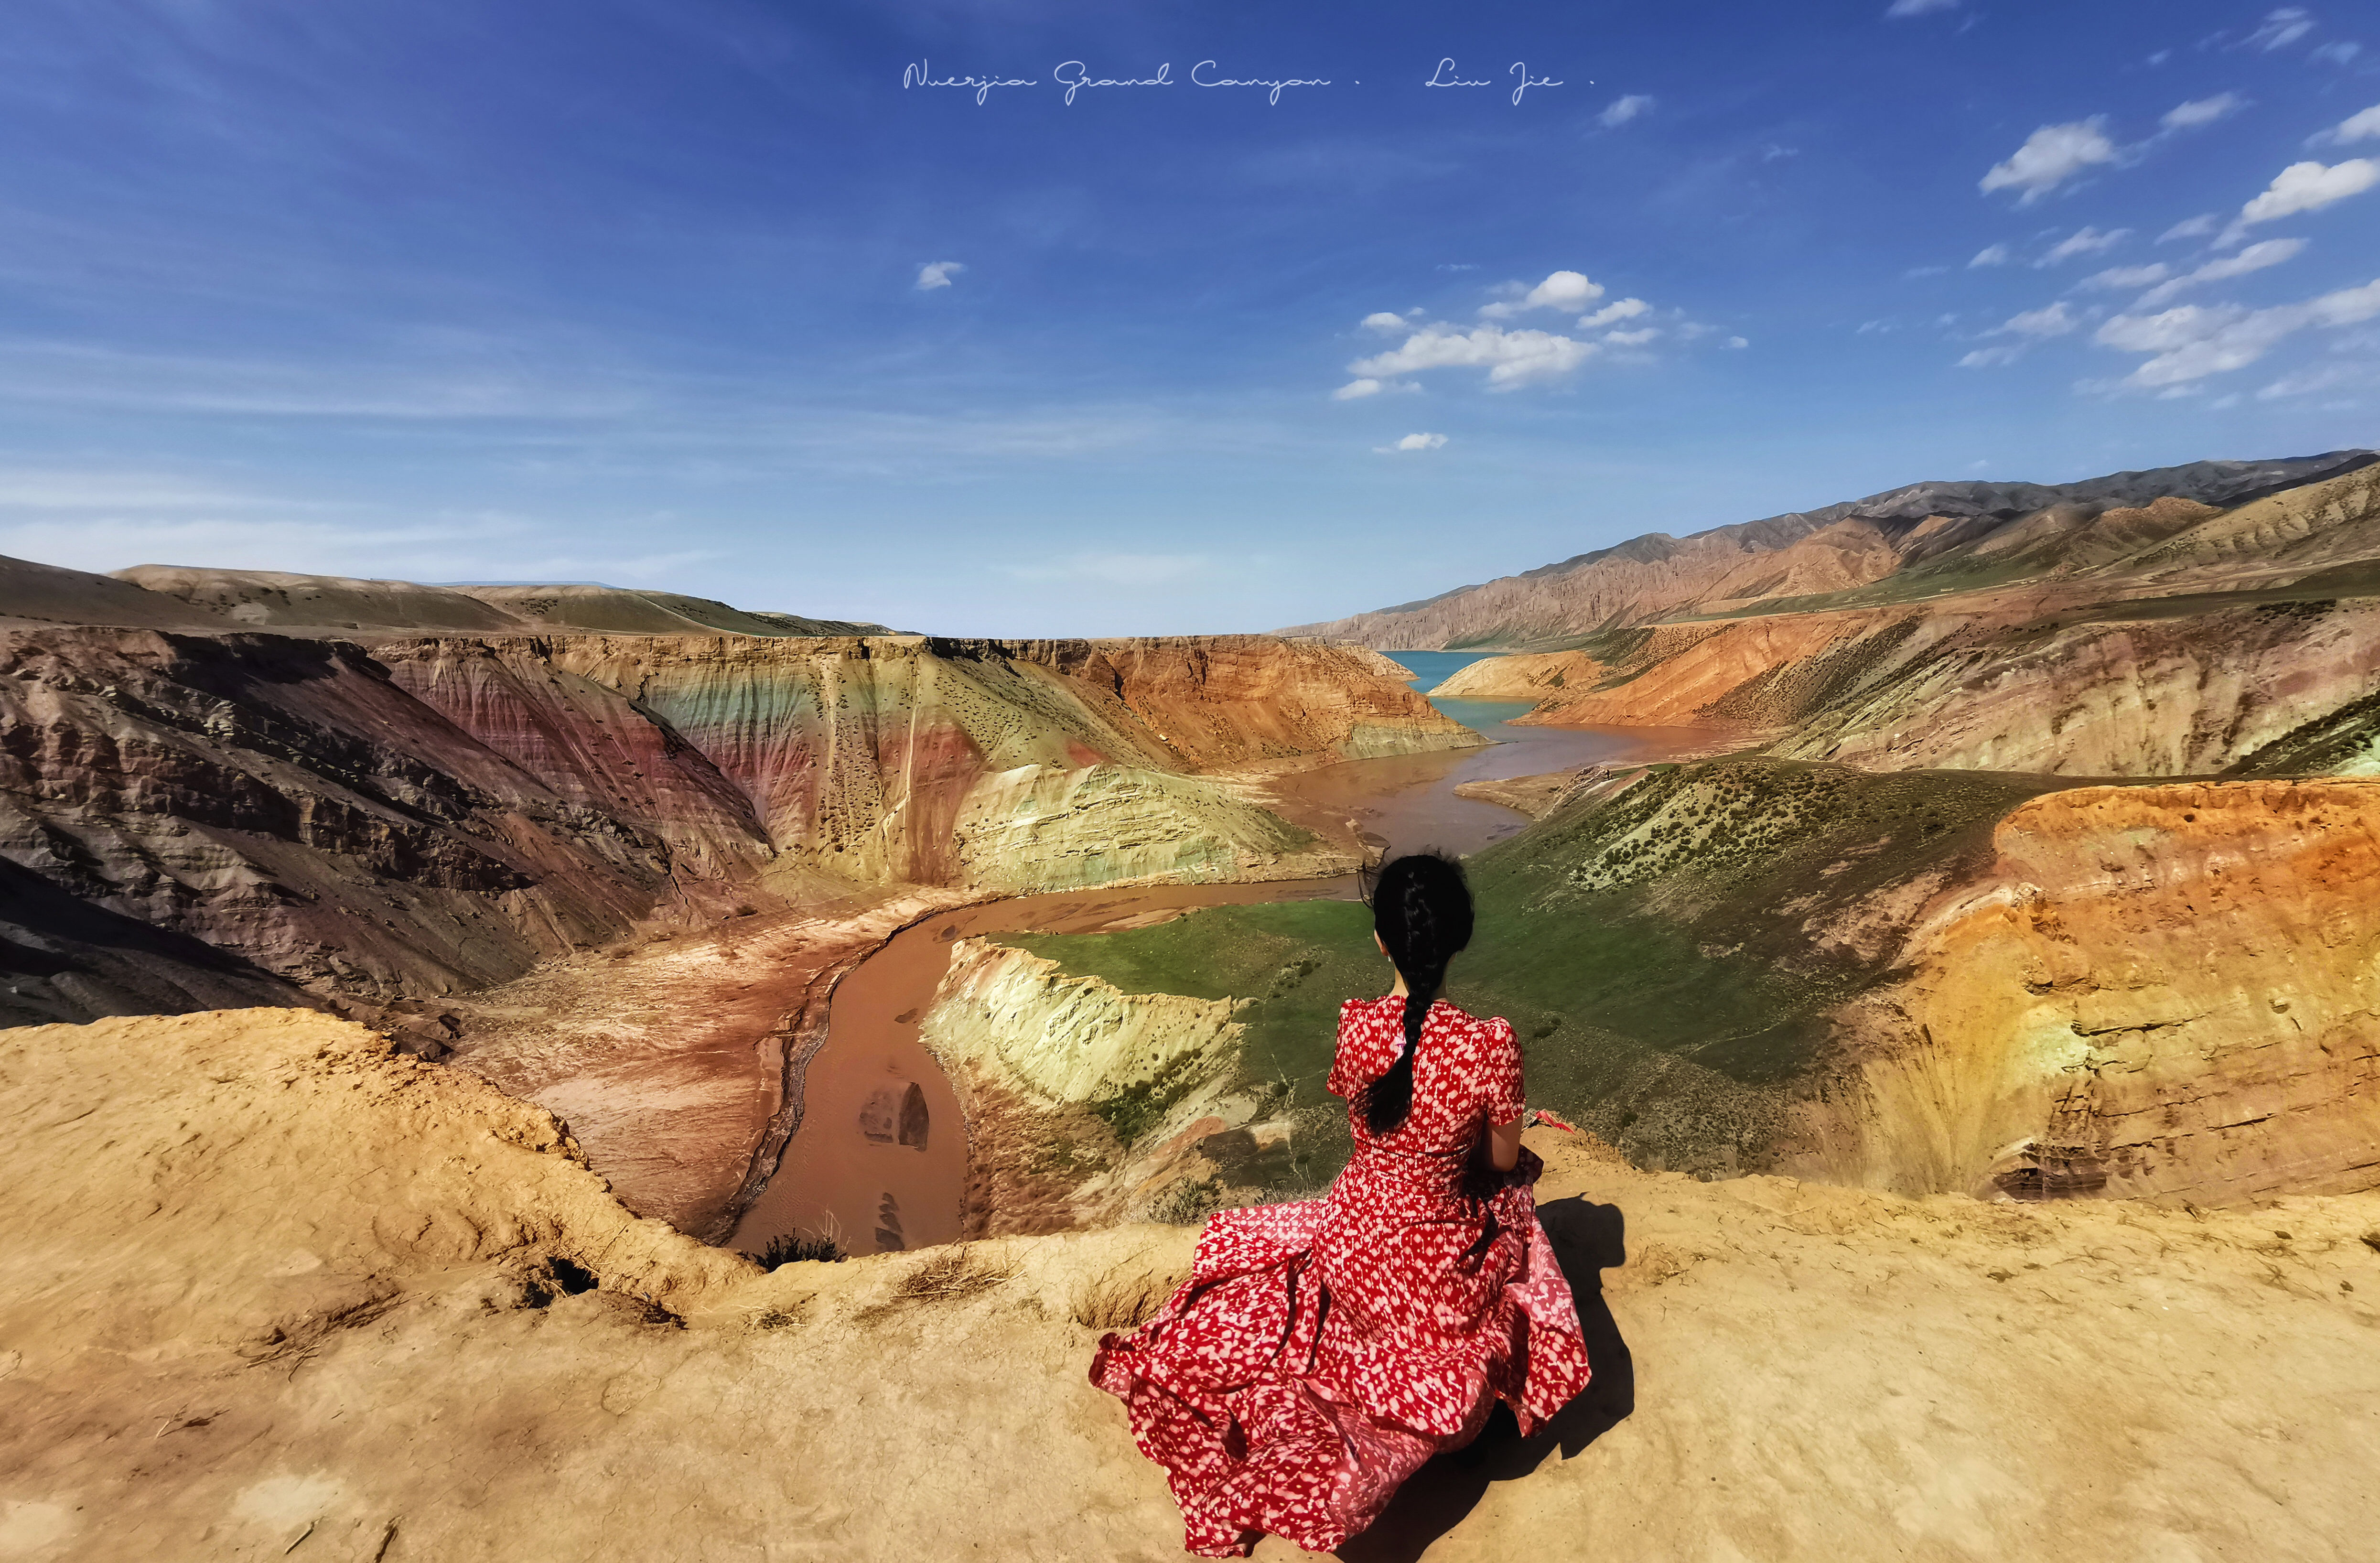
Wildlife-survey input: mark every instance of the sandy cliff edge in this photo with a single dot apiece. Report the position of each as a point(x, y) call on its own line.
point(265, 1285)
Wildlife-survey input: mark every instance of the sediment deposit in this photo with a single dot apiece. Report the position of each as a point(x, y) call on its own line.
point(253, 1266)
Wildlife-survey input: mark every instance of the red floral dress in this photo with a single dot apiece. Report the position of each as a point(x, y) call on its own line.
point(1321, 1351)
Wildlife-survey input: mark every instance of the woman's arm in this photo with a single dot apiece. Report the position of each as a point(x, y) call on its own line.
point(1504, 1144)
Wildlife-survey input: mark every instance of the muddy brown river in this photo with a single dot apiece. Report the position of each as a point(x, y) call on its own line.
point(879, 1161)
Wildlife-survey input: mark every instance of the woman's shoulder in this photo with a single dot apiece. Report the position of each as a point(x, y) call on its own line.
point(1491, 1030)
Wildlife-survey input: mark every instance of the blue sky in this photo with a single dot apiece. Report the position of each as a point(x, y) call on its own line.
point(697, 295)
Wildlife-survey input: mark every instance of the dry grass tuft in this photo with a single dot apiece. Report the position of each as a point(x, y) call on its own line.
point(958, 1271)
point(1126, 1296)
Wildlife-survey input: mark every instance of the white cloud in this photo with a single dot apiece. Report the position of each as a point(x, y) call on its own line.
point(1991, 358)
point(1990, 254)
point(2055, 321)
point(2193, 341)
point(2190, 227)
point(2305, 186)
point(1918, 8)
point(2083, 241)
point(2202, 110)
point(2282, 29)
point(1632, 338)
point(2364, 126)
point(1738, 342)
point(2049, 157)
point(1381, 319)
point(1411, 442)
point(1618, 309)
point(938, 274)
point(1510, 358)
point(1354, 390)
point(2128, 276)
point(2340, 53)
point(2322, 377)
point(1622, 110)
point(2255, 258)
point(1562, 290)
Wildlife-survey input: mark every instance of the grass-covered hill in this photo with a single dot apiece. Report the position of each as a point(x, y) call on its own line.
point(1668, 950)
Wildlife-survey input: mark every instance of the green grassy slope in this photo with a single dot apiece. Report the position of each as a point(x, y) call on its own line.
point(1667, 955)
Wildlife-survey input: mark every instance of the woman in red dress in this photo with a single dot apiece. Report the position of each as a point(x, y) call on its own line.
point(1321, 1351)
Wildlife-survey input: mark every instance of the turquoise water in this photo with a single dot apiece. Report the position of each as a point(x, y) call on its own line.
point(1432, 669)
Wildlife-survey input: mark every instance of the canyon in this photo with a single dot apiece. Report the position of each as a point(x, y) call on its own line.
point(1949, 927)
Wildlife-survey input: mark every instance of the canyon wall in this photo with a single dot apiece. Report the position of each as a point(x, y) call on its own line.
point(2142, 690)
point(433, 816)
point(2169, 992)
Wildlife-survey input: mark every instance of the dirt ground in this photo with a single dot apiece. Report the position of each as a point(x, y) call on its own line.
point(268, 1291)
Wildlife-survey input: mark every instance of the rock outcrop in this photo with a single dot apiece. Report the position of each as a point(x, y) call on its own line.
point(268, 1291)
point(2161, 992)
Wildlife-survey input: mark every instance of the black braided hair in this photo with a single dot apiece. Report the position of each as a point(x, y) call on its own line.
point(1421, 908)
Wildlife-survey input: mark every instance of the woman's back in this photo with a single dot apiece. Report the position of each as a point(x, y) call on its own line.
point(1466, 1075)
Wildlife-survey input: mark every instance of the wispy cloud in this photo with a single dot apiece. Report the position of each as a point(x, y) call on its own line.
point(1918, 8)
point(2202, 110)
point(1511, 358)
point(1621, 110)
point(2083, 241)
point(2051, 156)
point(1618, 309)
point(1991, 255)
point(938, 274)
point(2193, 342)
point(1411, 442)
point(2282, 29)
point(2304, 186)
point(2363, 126)
point(2255, 258)
point(2199, 226)
point(2128, 276)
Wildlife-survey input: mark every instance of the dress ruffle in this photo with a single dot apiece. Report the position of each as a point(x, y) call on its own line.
point(1322, 1350)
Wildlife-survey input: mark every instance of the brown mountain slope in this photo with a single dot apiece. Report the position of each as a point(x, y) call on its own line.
point(2244, 639)
point(268, 1291)
point(1929, 537)
point(291, 604)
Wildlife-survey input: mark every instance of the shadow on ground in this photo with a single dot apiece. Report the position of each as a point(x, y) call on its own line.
point(1587, 1239)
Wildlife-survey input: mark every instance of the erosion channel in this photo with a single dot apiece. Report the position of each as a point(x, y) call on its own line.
point(878, 1158)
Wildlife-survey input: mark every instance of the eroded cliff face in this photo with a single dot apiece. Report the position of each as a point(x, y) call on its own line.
point(1085, 1105)
point(2148, 689)
point(286, 803)
point(440, 815)
point(2167, 992)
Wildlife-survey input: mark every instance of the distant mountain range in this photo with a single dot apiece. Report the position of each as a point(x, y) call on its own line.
point(180, 598)
point(1908, 542)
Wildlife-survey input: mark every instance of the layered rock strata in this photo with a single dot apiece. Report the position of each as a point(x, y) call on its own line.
point(436, 816)
point(2164, 992)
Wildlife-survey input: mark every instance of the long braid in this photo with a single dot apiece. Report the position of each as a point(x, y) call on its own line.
point(1422, 910)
